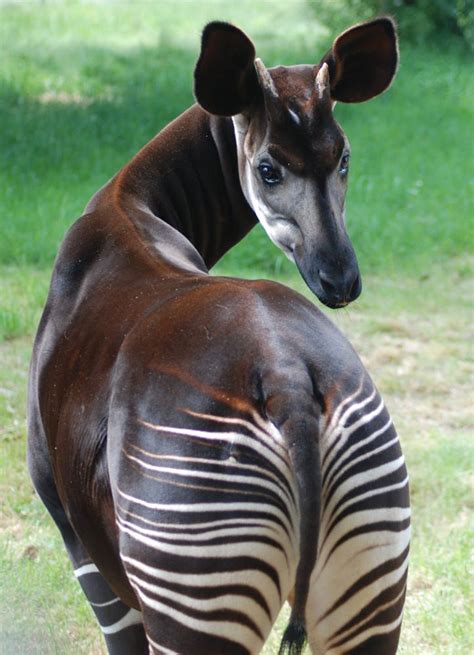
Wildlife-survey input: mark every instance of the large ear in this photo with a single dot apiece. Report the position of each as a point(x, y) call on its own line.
point(363, 60)
point(225, 80)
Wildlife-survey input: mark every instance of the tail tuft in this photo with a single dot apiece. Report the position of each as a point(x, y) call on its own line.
point(294, 639)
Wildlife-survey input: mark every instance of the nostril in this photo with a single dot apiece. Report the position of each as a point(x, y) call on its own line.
point(328, 286)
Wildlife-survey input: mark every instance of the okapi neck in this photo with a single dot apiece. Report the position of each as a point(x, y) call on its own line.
point(187, 176)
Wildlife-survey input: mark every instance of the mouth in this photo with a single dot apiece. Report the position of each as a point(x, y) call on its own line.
point(335, 305)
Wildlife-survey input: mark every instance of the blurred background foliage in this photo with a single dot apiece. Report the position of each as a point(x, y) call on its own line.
point(418, 20)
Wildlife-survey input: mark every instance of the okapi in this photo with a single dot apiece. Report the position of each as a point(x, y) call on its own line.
point(210, 447)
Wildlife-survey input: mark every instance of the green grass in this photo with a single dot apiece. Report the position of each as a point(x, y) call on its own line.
point(82, 87)
point(22, 292)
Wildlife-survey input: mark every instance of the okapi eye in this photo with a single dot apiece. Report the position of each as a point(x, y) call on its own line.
point(269, 174)
point(344, 167)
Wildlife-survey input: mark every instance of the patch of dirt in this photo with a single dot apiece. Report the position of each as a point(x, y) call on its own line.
point(424, 370)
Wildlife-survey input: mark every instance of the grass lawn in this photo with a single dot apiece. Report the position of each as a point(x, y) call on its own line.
point(82, 87)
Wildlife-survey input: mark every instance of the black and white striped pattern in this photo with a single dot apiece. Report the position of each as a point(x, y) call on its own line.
point(122, 626)
point(223, 552)
point(211, 547)
point(358, 585)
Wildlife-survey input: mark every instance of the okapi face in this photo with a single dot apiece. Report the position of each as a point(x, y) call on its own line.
point(293, 156)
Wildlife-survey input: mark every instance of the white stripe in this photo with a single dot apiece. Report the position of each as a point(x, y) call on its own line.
point(333, 582)
point(263, 430)
point(109, 602)
point(367, 619)
point(87, 568)
point(219, 523)
point(252, 577)
point(294, 116)
point(132, 617)
point(234, 438)
point(359, 479)
point(221, 551)
point(334, 418)
point(267, 531)
point(270, 428)
point(162, 649)
point(361, 458)
point(341, 434)
point(377, 630)
point(341, 423)
point(366, 418)
point(356, 406)
point(364, 518)
point(375, 492)
point(212, 507)
point(347, 452)
point(235, 602)
point(220, 462)
point(349, 550)
point(227, 630)
point(369, 494)
point(224, 477)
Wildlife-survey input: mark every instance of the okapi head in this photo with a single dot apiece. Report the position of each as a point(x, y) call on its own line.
point(293, 156)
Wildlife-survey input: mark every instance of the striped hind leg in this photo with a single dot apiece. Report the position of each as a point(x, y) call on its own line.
point(357, 587)
point(121, 625)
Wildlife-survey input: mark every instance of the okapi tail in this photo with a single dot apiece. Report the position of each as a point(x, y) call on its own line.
point(294, 638)
point(304, 455)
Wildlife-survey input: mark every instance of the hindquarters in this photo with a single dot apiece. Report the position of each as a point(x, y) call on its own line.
point(207, 511)
point(358, 585)
point(207, 500)
point(214, 461)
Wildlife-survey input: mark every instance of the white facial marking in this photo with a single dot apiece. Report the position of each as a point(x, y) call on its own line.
point(295, 116)
point(280, 231)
